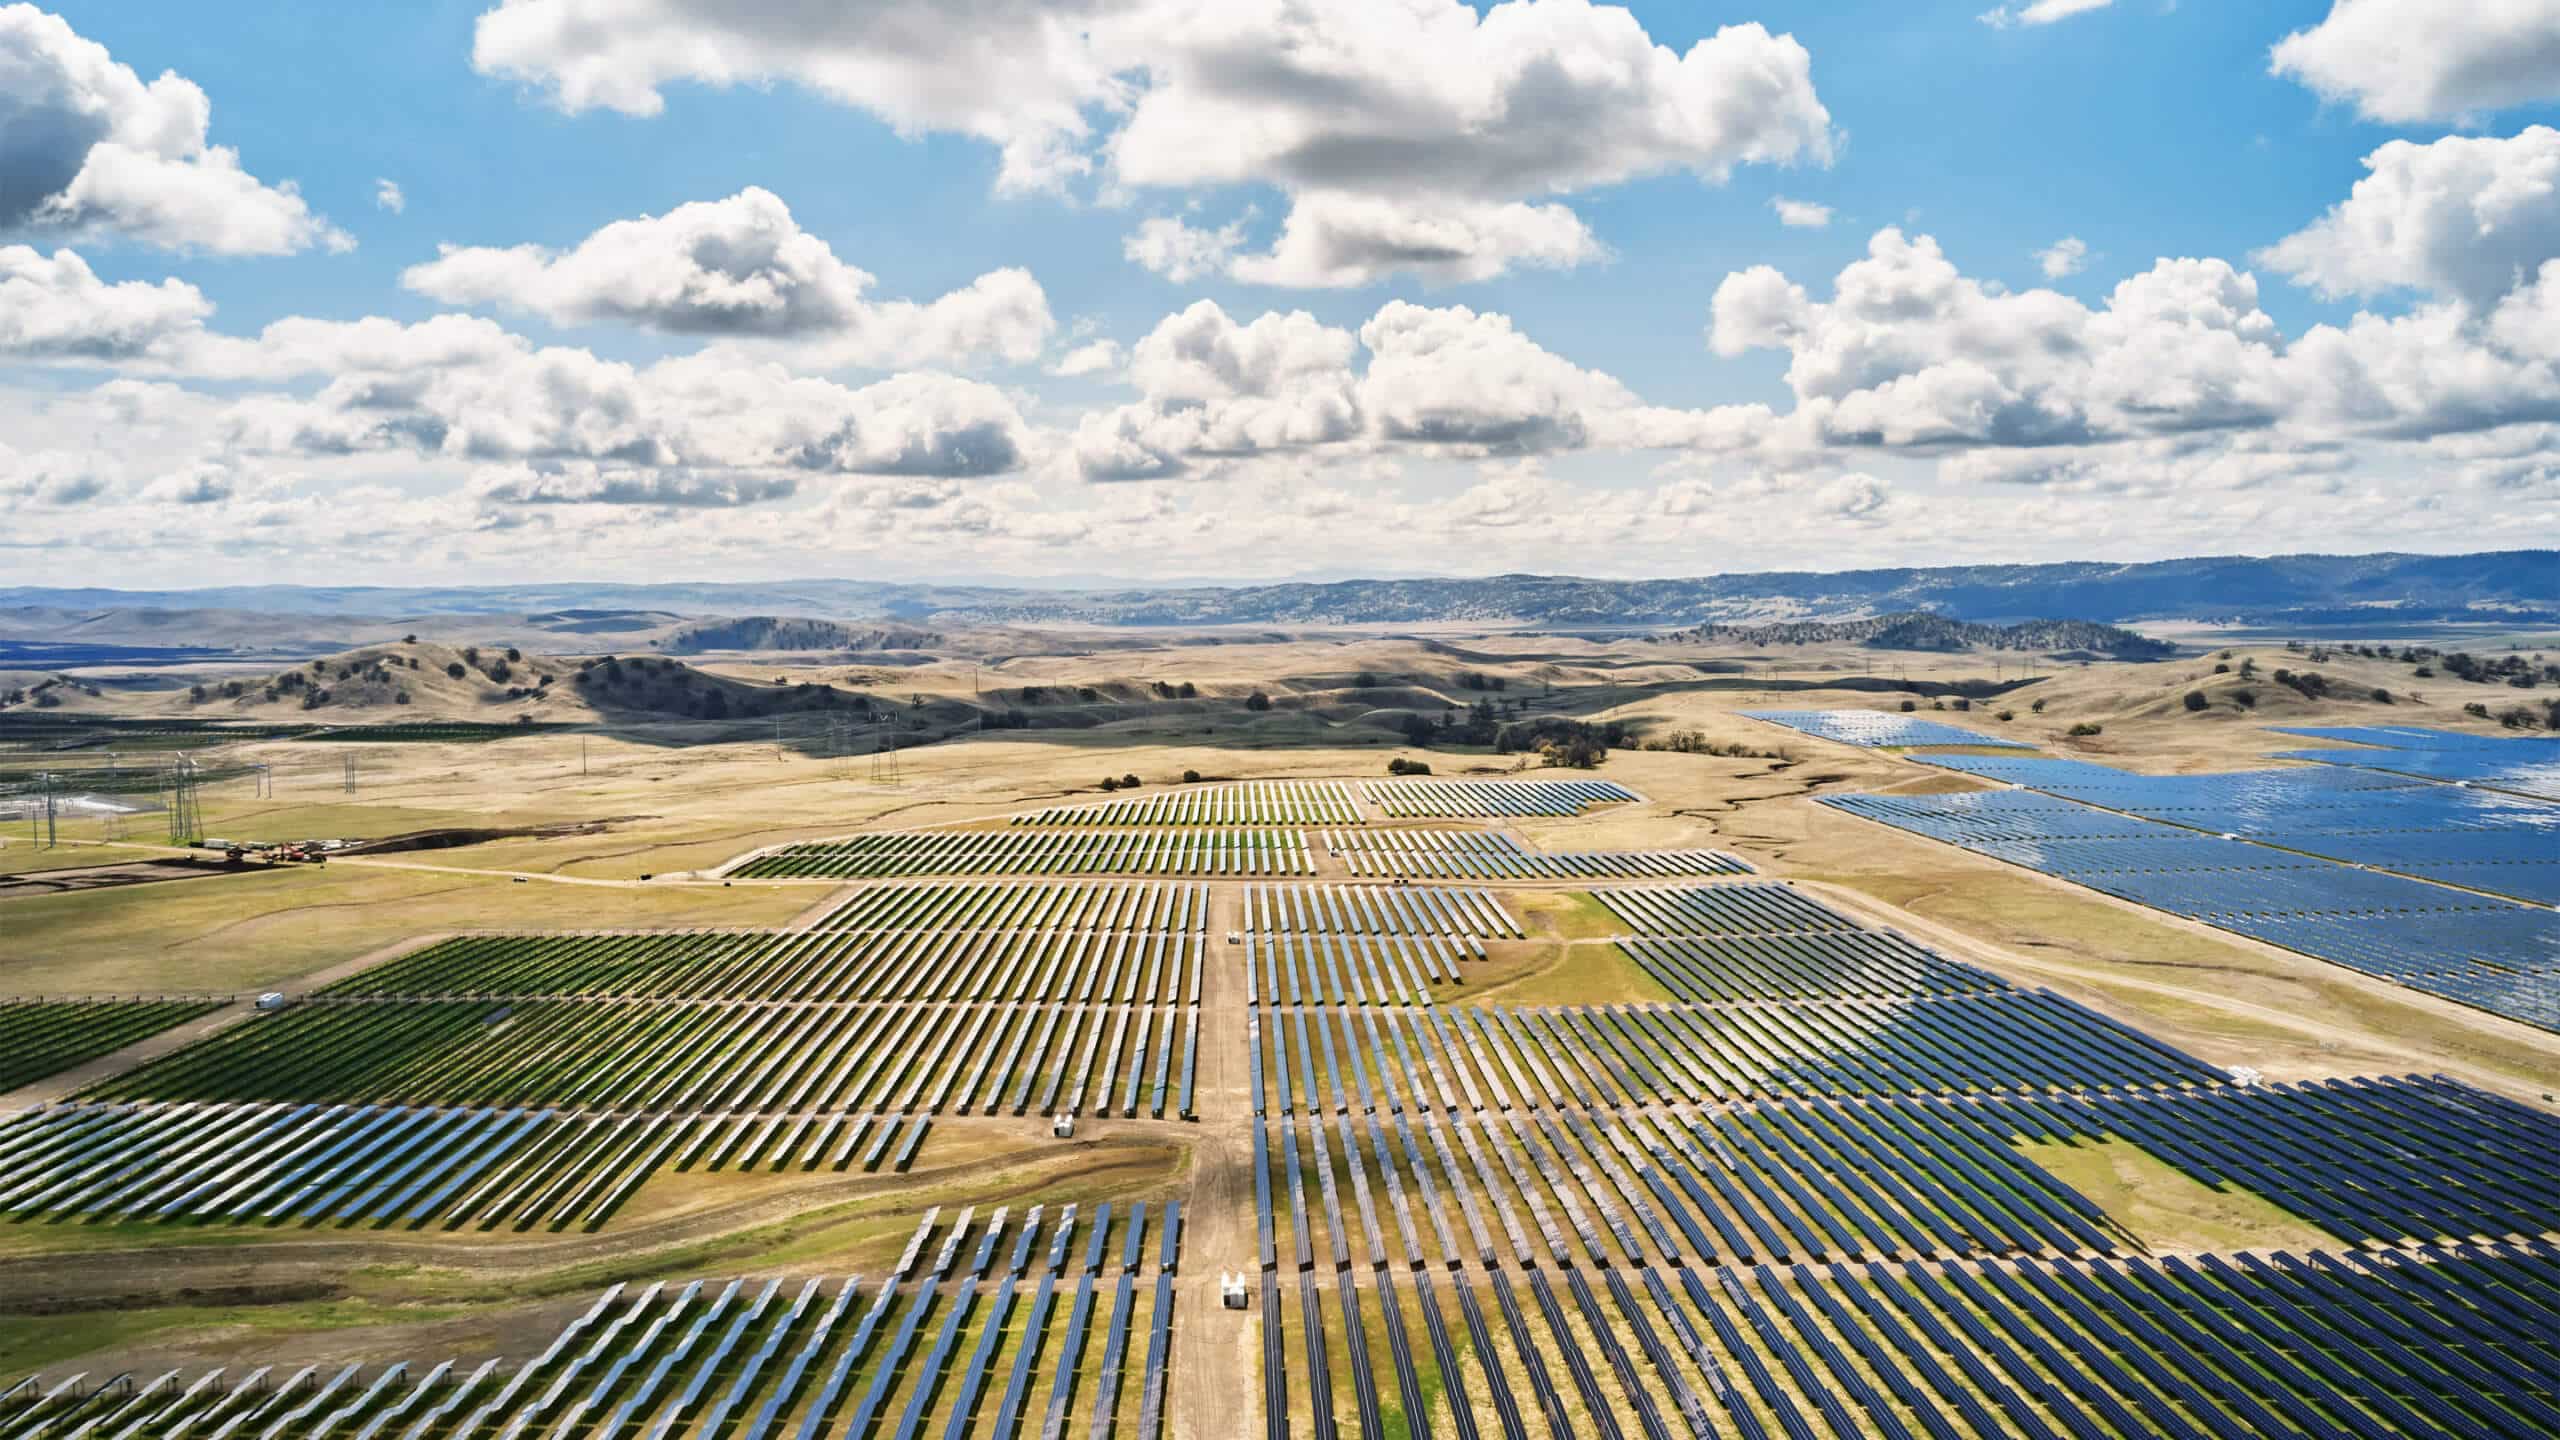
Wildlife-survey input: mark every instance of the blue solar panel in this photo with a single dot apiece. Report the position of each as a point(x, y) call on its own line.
point(2405, 737)
point(2475, 948)
point(2536, 775)
point(1877, 729)
point(2476, 839)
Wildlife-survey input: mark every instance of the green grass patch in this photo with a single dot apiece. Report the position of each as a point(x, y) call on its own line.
point(2166, 1208)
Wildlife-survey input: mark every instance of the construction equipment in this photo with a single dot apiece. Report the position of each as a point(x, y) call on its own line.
point(271, 852)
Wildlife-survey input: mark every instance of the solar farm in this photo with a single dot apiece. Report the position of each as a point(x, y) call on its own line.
point(2447, 890)
point(2532, 769)
point(1874, 730)
point(1746, 1087)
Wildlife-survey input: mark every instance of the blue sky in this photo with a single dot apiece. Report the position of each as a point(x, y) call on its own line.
point(1612, 398)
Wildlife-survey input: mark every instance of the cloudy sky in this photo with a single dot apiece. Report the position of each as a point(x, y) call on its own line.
point(1045, 289)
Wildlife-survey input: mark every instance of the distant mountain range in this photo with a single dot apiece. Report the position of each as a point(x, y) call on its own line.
point(2516, 586)
point(1918, 630)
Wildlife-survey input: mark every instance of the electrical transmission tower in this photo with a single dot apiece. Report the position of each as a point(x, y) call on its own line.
point(40, 817)
point(186, 819)
point(351, 772)
point(884, 756)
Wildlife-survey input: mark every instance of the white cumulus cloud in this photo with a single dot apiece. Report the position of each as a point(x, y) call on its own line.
point(88, 149)
point(56, 308)
point(739, 267)
point(2039, 12)
point(2467, 217)
point(2406, 61)
point(1416, 128)
point(1801, 214)
point(2063, 258)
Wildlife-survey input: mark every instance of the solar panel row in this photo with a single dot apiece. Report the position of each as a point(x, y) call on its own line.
point(1637, 1055)
point(1006, 965)
point(1877, 729)
point(1263, 802)
point(740, 1359)
point(39, 1038)
point(1038, 852)
point(320, 1164)
point(1490, 855)
point(1085, 1051)
point(1487, 799)
point(1080, 905)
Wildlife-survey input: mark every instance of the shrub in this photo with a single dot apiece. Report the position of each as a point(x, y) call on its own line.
point(2037, 707)
point(515, 655)
point(2476, 710)
point(1110, 784)
point(2221, 669)
point(1401, 766)
point(1130, 782)
point(2196, 701)
point(1548, 731)
point(1190, 777)
point(2008, 715)
point(2381, 696)
point(1574, 754)
point(2245, 699)
point(1257, 701)
point(1187, 690)
point(2084, 728)
point(1910, 705)
point(455, 670)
